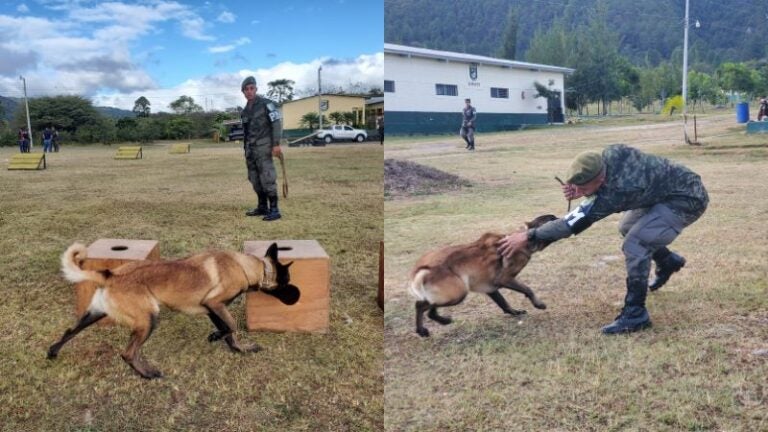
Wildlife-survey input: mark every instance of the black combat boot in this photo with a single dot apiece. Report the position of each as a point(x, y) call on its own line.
point(261, 209)
point(634, 315)
point(667, 262)
point(274, 212)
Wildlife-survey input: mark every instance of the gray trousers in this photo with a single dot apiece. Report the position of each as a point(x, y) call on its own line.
point(468, 133)
point(648, 229)
point(261, 169)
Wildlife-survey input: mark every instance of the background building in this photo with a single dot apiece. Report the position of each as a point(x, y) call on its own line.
point(424, 91)
point(294, 110)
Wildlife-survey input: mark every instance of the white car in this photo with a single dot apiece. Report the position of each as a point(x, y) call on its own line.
point(341, 132)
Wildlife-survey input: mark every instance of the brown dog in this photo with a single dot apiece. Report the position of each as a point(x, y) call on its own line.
point(444, 277)
point(201, 284)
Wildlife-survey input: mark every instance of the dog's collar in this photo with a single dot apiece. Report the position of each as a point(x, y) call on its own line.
point(269, 280)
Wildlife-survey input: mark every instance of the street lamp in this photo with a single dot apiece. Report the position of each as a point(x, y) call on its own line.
point(685, 70)
point(26, 102)
point(319, 98)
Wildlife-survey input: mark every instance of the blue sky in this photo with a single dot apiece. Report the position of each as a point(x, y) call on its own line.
point(114, 52)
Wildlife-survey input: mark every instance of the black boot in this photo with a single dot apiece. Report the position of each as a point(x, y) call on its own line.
point(667, 262)
point(634, 315)
point(274, 212)
point(261, 209)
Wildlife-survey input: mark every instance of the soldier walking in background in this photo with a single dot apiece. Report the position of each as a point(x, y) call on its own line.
point(380, 128)
point(660, 198)
point(468, 117)
point(262, 129)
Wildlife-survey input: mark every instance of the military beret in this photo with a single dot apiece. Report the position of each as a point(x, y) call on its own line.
point(249, 80)
point(584, 168)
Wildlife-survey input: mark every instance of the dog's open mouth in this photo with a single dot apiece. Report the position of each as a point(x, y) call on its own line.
point(288, 294)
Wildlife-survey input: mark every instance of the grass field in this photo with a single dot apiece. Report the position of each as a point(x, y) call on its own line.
point(189, 203)
point(703, 365)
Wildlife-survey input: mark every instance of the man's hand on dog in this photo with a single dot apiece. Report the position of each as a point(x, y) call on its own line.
point(512, 243)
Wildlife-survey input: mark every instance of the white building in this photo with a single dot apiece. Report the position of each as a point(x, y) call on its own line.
point(424, 91)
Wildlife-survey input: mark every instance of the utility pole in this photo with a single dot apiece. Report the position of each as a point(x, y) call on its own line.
point(685, 73)
point(26, 102)
point(319, 98)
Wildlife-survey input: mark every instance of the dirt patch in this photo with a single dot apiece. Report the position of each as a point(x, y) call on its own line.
point(403, 179)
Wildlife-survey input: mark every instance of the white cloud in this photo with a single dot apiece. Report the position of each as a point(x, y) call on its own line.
point(226, 17)
point(22, 8)
point(86, 46)
point(230, 47)
point(223, 90)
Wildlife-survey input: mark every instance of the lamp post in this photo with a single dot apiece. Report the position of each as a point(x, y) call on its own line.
point(26, 103)
point(319, 99)
point(685, 70)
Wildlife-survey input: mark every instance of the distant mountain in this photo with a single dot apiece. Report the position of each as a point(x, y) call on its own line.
point(114, 112)
point(10, 104)
point(9, 107)
point(651, 30)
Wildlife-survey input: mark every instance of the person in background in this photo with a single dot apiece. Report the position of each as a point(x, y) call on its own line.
point(467, 131)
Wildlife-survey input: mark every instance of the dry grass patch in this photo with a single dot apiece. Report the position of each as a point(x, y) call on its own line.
point(189, 203)
point(698, 368)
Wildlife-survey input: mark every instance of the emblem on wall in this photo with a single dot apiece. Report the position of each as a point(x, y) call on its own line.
point(473, 71)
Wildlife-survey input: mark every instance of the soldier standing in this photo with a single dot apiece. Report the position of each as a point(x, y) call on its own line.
point(468, 117)
point(660, 198)
point(262, 129)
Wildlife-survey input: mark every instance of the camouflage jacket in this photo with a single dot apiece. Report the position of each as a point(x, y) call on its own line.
point(469, 115)
point(261, 119)
point(633, 180)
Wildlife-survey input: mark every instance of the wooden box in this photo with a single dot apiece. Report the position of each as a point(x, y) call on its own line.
point(109, 254)
point(310, 272)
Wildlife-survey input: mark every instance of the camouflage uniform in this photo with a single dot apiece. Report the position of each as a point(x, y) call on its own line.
point(660, 198)
point(467, 131)
point(262, 129)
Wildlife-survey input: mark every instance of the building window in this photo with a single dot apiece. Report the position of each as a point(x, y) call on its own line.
point(389, 86)
point(499, 93)
point(446, 90)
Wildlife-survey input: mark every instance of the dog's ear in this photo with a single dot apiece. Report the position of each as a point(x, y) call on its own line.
point(288, 294)
point(272, 252)
point(289, 264)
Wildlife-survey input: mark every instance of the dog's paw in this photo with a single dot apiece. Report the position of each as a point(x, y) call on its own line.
point(540, 306)
point(215, 336)
point(51, 354)
point(152, 374)
point(516, 312)
point(423, 332)
point(252, 349)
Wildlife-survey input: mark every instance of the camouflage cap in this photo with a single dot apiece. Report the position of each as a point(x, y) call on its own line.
point(248, 80)
point(584, 168)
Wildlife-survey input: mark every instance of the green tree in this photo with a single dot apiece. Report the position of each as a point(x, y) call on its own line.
point(280, 90)
point(737, 77)
point(141, 107)
point(349, 118)
point(336, 117)
point(178, 127)
point(508, 47)
point(310, 120)
point(66, 113)
point(185, 105)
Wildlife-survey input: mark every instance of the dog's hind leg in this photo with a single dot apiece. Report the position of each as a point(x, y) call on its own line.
point(421, 307)
point(85, 321)
point(502, 302)
point(434, 316)
point(142, 329)
point(519, 287)
point(227, 332)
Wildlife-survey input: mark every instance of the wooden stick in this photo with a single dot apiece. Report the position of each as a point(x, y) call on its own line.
point(563, 184)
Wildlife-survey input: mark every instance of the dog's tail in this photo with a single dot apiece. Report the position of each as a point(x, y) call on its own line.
point(70, 265)
point(416, 287)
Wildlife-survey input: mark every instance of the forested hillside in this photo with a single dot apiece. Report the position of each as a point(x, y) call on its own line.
point(650, 31)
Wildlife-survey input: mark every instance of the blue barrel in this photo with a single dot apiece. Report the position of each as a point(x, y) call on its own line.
point(742, 112)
